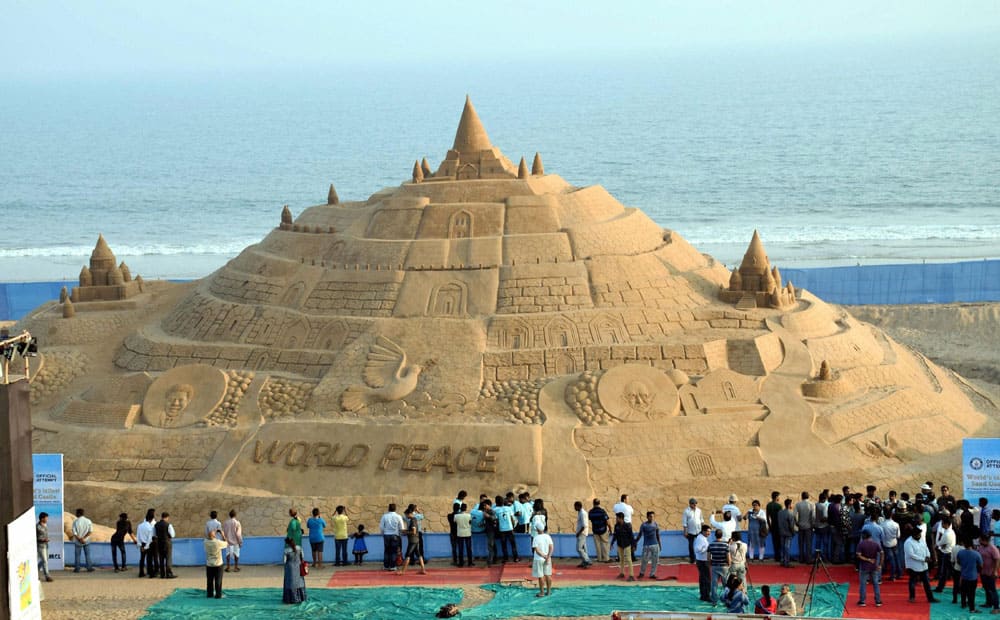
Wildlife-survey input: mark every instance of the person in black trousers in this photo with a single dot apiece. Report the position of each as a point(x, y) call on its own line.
point(455, 509)
point(146, 536)
point(123, 528)
point(165, 546)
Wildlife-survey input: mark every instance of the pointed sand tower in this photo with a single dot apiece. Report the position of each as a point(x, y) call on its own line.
point(755, 284)
point(104, 280)
point(472, 156)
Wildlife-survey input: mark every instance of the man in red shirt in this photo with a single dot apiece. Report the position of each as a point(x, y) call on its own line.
point(988, 574)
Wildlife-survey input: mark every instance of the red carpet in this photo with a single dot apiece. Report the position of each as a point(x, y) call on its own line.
point(570, 572)
point(436, 576)
point(894, 603)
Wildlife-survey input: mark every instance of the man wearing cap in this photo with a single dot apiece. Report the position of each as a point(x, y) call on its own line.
point(927, 491)
point(733, 509)
point(541, 564)
point(691, 523)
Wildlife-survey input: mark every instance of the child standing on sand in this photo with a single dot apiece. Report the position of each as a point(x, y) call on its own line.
point(360, 547)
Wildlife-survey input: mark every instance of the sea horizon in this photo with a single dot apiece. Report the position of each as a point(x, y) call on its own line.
point(867, 155)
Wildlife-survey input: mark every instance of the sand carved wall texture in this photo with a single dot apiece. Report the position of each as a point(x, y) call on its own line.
point(484, 327)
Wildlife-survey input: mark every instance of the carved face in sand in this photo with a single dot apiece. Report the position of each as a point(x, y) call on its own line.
point(638, 397)
point(177, 401)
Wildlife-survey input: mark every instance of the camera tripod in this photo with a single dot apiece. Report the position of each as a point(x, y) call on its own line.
point(807, 596)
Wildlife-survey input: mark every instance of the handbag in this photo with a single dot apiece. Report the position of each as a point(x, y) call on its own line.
point(304, 568)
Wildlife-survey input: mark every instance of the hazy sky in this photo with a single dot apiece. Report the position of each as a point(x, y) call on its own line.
point(52, 38)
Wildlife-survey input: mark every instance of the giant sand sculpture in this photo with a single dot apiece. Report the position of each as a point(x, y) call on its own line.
point(480, 326)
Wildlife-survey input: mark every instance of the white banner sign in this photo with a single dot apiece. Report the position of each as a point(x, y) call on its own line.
point(49, 499)
point(22, 565)
point(981, 470)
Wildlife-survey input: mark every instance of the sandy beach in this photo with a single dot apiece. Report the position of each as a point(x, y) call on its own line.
point(962, 337)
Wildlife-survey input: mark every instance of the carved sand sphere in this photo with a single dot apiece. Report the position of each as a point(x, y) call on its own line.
point(481, 328)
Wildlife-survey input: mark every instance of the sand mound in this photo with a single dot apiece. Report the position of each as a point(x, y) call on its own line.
point(959, 336)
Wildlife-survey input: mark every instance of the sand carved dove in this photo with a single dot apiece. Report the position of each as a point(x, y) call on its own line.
point(387, 374)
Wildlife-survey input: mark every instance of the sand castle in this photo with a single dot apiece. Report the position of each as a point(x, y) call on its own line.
point(486, 327)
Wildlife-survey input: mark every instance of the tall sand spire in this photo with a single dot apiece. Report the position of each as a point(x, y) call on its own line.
point(471, 135)
point(755, 259)
point(101, 250)
point(536, 166)
point(522, 170)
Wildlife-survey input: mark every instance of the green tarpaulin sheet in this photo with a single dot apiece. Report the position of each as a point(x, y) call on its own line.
point(418, 602)
point(512, 601)
point(341, 603)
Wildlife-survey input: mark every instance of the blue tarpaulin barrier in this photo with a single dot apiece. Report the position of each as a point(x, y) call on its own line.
point(19, 298)
point(930, 283)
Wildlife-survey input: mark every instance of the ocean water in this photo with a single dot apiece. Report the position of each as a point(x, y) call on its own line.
point(870, 154)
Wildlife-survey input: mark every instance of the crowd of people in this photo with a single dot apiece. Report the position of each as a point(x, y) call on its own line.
point(882, 537)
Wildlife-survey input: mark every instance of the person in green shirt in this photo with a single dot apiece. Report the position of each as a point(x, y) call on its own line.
point(294, 527)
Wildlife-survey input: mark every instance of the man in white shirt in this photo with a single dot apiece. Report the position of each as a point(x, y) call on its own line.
point(82, 529)
point(701, 560)
point(691, 524)
point(727, 525)
point(944, 541)
point(623, 507)
point(144, 538)
point(391, 525)
point(582, 530)
point(541, 564)
point(916, 555)
point(733, 509)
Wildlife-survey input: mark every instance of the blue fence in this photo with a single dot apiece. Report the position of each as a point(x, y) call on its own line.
point(264, 550)
point(19, 298)
point(930, 283)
